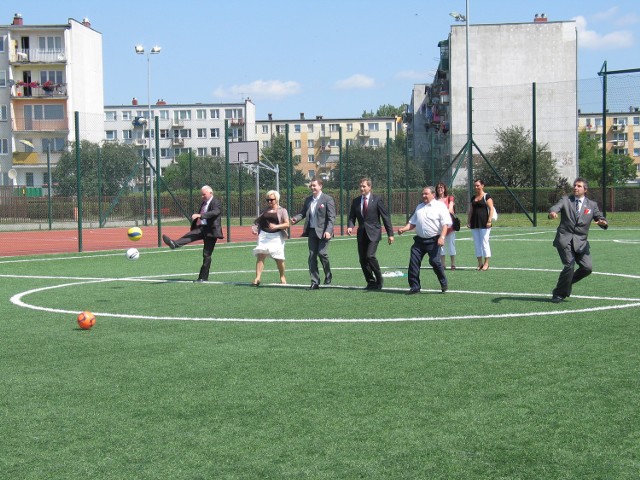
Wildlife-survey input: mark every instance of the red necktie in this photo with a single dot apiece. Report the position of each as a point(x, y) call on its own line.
point(364, 207)
point(203, 210)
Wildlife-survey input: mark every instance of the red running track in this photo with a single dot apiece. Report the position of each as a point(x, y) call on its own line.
point(97, 239)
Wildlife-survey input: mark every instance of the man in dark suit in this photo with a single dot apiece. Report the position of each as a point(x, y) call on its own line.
point(319, 212)
point(576, 214)
point(368, 209)
point(205, 226)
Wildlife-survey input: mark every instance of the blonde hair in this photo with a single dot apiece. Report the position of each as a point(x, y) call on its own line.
point(275, 194)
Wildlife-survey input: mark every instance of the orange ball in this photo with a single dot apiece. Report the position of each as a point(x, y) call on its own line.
point(86, 320)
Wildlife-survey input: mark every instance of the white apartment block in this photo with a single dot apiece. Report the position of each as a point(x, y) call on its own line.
point(199, 127)
point(317, 141)
point(47, 72)
point(622, 132)
point(504, 61)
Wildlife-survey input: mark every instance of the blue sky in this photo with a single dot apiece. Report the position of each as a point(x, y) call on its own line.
point(331, 58)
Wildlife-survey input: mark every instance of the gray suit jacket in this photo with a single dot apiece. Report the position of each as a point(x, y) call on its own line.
point(574, 227)
point(325, 215)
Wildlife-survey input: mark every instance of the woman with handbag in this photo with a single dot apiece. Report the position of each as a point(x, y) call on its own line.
point(271, 228)
point(480, 214)
point(442, 194)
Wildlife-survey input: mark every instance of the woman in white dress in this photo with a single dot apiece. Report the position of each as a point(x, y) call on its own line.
point(271, 228)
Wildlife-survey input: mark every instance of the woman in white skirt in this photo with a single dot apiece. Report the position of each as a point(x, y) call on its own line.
point(271, 228)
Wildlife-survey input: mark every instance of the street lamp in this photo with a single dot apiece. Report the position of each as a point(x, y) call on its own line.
point(458, 17)
point(154, 51)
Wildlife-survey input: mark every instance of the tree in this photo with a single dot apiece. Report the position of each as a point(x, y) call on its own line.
point(117, 165)
point(385, 110)
point(372, 162)
point(276, 154)
point(204, 171)
point(620, 168)
point(512, 158)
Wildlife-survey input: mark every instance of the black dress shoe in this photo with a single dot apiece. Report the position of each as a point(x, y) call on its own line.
point(557, 299)
point(172, 245)
point(413, 291)
point(327, 279)
point(445, 288)
point(314, 286)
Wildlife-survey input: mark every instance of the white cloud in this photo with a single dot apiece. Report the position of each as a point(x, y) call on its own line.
point(606, 15)
point(593, 40)
point(425, 76)
point(356, 81)
point(261, 89)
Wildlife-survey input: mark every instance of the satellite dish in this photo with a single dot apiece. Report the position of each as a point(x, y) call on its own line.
point(12, 174)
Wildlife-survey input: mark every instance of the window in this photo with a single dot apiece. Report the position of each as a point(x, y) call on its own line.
point(214, 113)
point(311, 143)
point(29, 179)
point(111, 135)
point(373, 127)
point(334, 143)
point(202, 151)
point(164, 133)
point(598, 122)
point(349, 127)
point(214, 133)
point(334, 127)
point(165, 152)
point(215, 151)
point(265, 144)
point(636, 136)
point(232, 113)
point(311, 158)
point(53, 76)
point(164, 114)
point(55, 144)
point(110, 116)
point(201, 114)
point(374, 142)
point(636, 153)
point(50, 44)
point(3, 78)
point(47, 112)
point(350, 142)
point(202, 133)
point(312, 173)
point(619, 120)
point(636, 120)
point(297, 144)
point(3, 113)
point(296, 128)
point(389, 126)
point(265, 128)
point(4, 146)
point(127, 134)
point(183, 133)
point(310, 128)
point(182, 115)
point(2, 43)
point(126, 115)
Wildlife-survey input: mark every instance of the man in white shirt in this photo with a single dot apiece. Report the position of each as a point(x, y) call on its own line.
point(430, 221)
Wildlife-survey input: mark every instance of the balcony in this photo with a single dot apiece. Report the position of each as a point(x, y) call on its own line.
point(325, 133)
point(26, 158)
point(35, 55)
point(591, 128)
point(618, 127)
point(236, 122)
point(36, 90)
point(22, 124)
point(140, 142)
point(364, 133)
point(618, 143)
point(177, 142)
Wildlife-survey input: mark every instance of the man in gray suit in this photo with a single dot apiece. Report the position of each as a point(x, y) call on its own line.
point(368, 209)
point(319, 212)
point(576, 214)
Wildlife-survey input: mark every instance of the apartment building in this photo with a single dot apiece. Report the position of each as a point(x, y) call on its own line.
point(502, 64)
point(622, 132)
point(198, 126)
point(47, 72)
point(317, 140)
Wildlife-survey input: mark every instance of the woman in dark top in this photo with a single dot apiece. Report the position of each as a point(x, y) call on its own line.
point(479, 221)
point(271, 228)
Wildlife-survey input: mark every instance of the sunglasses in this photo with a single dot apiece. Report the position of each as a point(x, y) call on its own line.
point(270, 199)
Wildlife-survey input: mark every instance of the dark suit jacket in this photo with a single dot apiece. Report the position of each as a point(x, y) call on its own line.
point(573, 227)
point(325, 215)
point(371, 224)
point(213, 228)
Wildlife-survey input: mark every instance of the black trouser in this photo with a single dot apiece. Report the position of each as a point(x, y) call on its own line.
point(200, 233)
point(367, 255)
point(421, 247)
